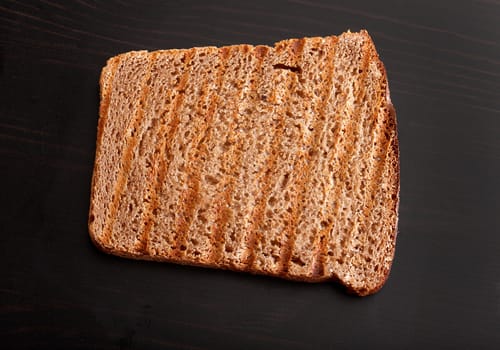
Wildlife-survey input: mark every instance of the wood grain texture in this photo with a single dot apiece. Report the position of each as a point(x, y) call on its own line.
point(443, 62)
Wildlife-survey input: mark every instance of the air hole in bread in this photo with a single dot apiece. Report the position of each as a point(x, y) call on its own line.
point(284, 182)
point(298, 261)
point(202, 218)
point(212, 180)
point(294, 69)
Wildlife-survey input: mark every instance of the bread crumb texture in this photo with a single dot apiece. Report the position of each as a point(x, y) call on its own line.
point(278, 160)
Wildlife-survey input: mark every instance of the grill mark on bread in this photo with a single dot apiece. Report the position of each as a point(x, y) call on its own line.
point(245, 242)
point(390, 173)
point(221, 219)
point(106, 96)
point(347, 239)
point(130, 209)
point(387, 147)
point(224, 199)
point(258, 212)
point(237, 233)
point(321, 252)
point(379, 153)
point(379, 268)
point(166, 133)
point(106, 85)
point(307, 163)
point(142, 174)
point(217, 170)
point(316, 270)
point(223, 213)
point(257, 218)
point(190, 198)
point(366, 173)
point(126, 160)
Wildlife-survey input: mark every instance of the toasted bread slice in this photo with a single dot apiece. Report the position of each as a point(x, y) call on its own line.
point(278, 160)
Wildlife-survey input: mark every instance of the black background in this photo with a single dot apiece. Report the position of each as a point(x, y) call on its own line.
point(56, 289)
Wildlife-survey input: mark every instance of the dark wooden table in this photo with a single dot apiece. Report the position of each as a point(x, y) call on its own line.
point(58, 291)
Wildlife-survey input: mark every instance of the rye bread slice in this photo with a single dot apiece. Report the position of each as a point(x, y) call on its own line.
point(278, 160)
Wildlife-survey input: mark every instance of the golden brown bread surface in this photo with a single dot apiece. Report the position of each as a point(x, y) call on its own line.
point(276, 160)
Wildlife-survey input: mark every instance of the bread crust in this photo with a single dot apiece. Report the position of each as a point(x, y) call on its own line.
point(106, 84)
